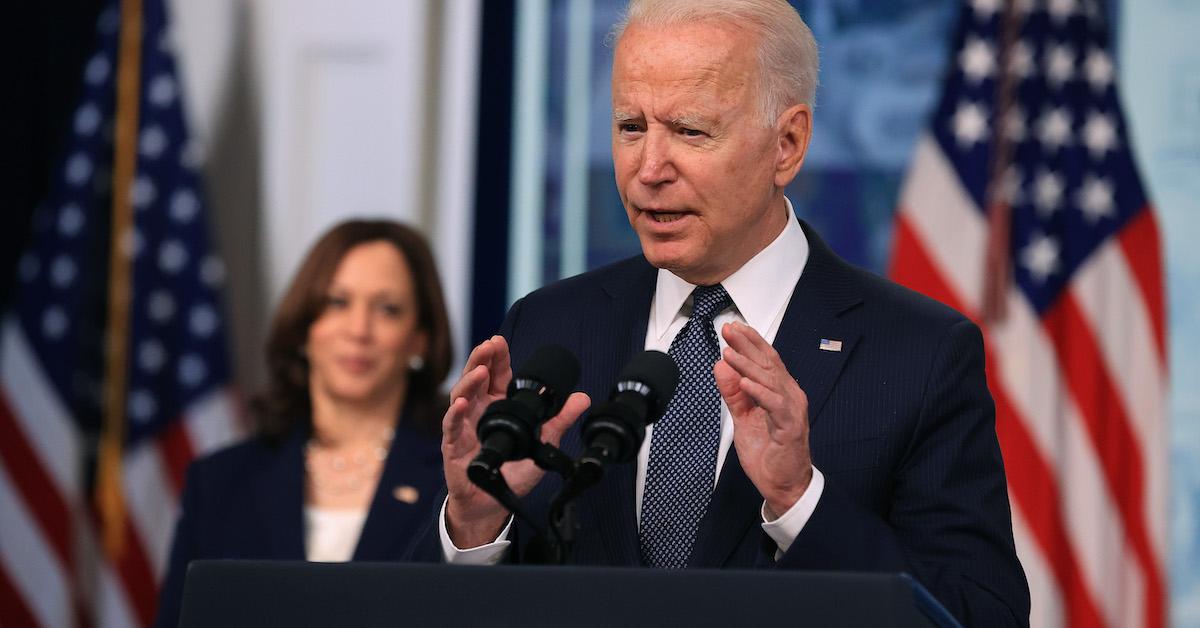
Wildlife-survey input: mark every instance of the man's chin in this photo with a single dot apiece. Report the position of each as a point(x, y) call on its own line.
point(678, 263)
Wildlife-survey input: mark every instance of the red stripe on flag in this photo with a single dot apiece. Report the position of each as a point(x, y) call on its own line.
point(1091, 385)
point(1031, 479)
point(134, 572)
point(1143, 253)
point(37, 489)
point(176, 451)
point(911, 267)
point(1035, 488)
point(13, 610)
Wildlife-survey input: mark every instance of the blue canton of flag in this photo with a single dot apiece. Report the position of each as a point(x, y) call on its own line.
point(54, 347)
point(1071, 182)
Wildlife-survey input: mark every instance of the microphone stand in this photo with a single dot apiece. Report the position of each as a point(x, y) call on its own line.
point(562, 521)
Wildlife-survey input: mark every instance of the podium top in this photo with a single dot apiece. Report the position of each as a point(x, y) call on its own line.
point(257, 593)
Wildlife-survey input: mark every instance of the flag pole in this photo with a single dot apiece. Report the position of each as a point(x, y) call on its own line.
point(998, 263)
point(109, 495)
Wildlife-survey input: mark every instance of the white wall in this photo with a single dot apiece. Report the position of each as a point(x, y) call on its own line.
point(311, 111)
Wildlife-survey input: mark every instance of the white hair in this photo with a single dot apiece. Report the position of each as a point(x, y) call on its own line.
point(787, 51)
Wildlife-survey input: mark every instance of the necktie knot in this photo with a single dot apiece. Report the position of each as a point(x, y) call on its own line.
point(708, 301)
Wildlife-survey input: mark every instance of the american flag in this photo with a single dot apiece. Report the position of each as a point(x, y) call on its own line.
point(55, 568)
point(1023, 208)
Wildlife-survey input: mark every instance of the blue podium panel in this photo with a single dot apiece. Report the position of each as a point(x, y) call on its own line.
point(263, 593)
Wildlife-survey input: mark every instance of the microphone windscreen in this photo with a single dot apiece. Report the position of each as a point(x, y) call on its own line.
point(655, 369)
point(553, 366)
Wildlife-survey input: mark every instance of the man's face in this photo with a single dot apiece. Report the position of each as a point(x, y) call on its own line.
point(696, 168)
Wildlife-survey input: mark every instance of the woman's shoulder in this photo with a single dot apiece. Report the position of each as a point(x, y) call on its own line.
point(240, 461)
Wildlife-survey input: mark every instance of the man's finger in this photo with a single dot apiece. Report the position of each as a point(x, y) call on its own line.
point(455, 430)
point(575, 405)
point(764, 397)
point(746, 367)
point(499, 365)
point(729, 385)
point(472, 384)
point(481, 354)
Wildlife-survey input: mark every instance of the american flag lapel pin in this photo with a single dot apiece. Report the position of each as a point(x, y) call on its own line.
point(830, 345)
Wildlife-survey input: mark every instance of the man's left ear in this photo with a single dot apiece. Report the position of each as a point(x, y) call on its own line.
point(795, 130)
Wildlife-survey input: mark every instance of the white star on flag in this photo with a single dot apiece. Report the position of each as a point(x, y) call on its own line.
point(1099, 134)
point(978, 60)
point(970, 124)
point(1060, 64)
point(1040, 257)
point(1062, 10)
point(1099, 70)
point(1048, 192)
point(1054, 128)
point(985, 9)
point(1096, 199)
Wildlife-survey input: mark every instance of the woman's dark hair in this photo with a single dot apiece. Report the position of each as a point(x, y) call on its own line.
point(286, 403)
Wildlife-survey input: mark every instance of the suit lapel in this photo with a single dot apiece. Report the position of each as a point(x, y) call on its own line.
point(281, 500)
point(823, 293)
point(408, 458)
point(734, 508)
point(612, 501)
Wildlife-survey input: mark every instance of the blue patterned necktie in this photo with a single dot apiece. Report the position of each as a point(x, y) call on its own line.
point(683, 448)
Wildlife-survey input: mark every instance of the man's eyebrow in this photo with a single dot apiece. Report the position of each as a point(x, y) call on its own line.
point(624, 116)
point(692, 121)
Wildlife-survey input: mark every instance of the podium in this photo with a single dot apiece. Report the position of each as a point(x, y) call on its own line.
point(275, 593)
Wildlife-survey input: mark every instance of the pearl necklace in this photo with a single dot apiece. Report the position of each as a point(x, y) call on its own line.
point(345, 473)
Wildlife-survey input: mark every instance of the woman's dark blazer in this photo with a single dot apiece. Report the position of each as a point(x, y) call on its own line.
point(247, 501)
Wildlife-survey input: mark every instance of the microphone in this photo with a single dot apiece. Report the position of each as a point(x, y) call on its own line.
point(508, 429)
point(614, 430)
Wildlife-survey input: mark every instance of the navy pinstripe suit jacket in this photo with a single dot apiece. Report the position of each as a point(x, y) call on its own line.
point(902, 427)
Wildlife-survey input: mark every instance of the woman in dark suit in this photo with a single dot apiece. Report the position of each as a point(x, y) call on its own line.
point(347, 461)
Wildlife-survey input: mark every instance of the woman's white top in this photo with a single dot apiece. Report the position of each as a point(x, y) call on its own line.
point(330, 536)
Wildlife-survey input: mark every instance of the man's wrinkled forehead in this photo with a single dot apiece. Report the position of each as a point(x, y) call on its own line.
point(703, 57)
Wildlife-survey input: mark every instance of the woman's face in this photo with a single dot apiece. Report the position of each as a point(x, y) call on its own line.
point(359, 346)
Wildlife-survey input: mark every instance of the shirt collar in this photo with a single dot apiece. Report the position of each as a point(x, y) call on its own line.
point(760, 289)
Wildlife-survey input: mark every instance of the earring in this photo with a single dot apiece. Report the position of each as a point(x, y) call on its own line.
point(416, 363)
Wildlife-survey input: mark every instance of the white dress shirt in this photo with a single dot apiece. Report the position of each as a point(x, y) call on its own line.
point(761, 290)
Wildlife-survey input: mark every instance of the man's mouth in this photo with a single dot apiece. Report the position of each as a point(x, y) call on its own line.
point(664, 217)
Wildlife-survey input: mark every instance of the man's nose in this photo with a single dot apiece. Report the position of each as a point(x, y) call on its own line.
point(656, 165)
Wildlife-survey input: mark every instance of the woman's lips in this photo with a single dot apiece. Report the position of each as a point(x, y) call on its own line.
point(355, 365)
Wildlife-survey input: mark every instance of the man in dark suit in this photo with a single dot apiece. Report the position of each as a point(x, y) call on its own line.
point(861, 426)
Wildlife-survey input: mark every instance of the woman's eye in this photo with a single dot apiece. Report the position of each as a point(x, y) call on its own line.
point(391, 310)
point(334, 302)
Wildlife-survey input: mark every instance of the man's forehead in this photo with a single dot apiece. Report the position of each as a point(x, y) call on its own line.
point(699, 51)
point(684, 63)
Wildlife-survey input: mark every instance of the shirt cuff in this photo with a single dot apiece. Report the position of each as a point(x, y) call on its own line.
point(786, 528)
point(488, 554)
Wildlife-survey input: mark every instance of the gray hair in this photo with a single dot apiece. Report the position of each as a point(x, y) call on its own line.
point(787, 51)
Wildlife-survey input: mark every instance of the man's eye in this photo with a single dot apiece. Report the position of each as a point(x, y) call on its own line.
point(629, 127)
point(692, 132)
